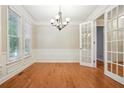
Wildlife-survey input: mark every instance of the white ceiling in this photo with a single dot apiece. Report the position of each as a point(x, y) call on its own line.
point(43, 14)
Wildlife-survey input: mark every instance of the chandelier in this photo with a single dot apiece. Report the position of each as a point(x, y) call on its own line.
point(58, 21)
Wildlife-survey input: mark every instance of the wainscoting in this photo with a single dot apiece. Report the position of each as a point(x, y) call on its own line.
point(56, 55)
point(39, 55)
point(9, 70)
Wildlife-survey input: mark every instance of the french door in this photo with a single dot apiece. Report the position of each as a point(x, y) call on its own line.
point(114, 43)
point(87, 56)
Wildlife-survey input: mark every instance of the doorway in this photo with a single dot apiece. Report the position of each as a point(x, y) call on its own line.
point(100, 42)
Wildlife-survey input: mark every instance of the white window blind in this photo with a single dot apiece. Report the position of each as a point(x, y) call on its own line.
point(13, 34)
point(27, 38)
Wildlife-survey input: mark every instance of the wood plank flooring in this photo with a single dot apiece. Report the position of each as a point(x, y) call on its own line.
point(70, 75)
point(100, 64)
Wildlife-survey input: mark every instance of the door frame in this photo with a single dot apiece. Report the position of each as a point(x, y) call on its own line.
point(103, 39)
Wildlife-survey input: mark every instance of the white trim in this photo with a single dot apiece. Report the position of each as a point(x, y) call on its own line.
point(3, 59)
point(8, 76)
point(99, 11)
point(100, 59)
point(95, 41)
point(15, 60)
point(115, 77)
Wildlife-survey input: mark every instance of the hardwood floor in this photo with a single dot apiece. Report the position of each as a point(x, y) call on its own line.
point(70, 75)
point(100, 65)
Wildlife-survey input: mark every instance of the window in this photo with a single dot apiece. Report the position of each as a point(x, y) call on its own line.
point(13, 34)
point(27, 38)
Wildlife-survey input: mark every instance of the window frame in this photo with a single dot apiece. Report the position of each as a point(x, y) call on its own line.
point(26, 21)
point(13, 59)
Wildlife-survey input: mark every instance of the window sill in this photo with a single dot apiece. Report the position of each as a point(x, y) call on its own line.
point(27, 56)
point(14, 60)
point(17, 59)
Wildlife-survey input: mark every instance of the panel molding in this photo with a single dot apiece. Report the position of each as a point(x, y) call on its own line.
point(8, 76)
point(56, 55)
point(7, 71)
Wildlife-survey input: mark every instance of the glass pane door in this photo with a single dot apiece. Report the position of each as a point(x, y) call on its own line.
point(86, 41)
point(115, 44)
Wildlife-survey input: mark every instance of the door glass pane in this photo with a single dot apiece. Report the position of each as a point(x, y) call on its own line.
point(109, 66)
point(120, 9)
point(120, 59)
point(120, 70)
point(109, 46)
point(89, 40)
point(120, 46)
point(109, 56)
point(109, 16)
point(121, 22)
point(109, 36)
point(114, 46)
point(120, 35)
point(83, 40)
point(114, 35)
point(114, 12)
point(109, 26)
point(114, 57)
point(114, 69)
point(114, 25)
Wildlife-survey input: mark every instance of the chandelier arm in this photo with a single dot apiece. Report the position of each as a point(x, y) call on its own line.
point(58, 23)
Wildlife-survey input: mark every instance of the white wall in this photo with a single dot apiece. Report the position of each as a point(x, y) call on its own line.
point(48, 37)
point(53, 45)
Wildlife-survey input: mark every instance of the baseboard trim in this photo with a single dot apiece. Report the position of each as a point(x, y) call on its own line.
point(100, 60)
point(55, 61)
point(114, 77)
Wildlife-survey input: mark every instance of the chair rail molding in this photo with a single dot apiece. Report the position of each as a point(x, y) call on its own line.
point(56, 55)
